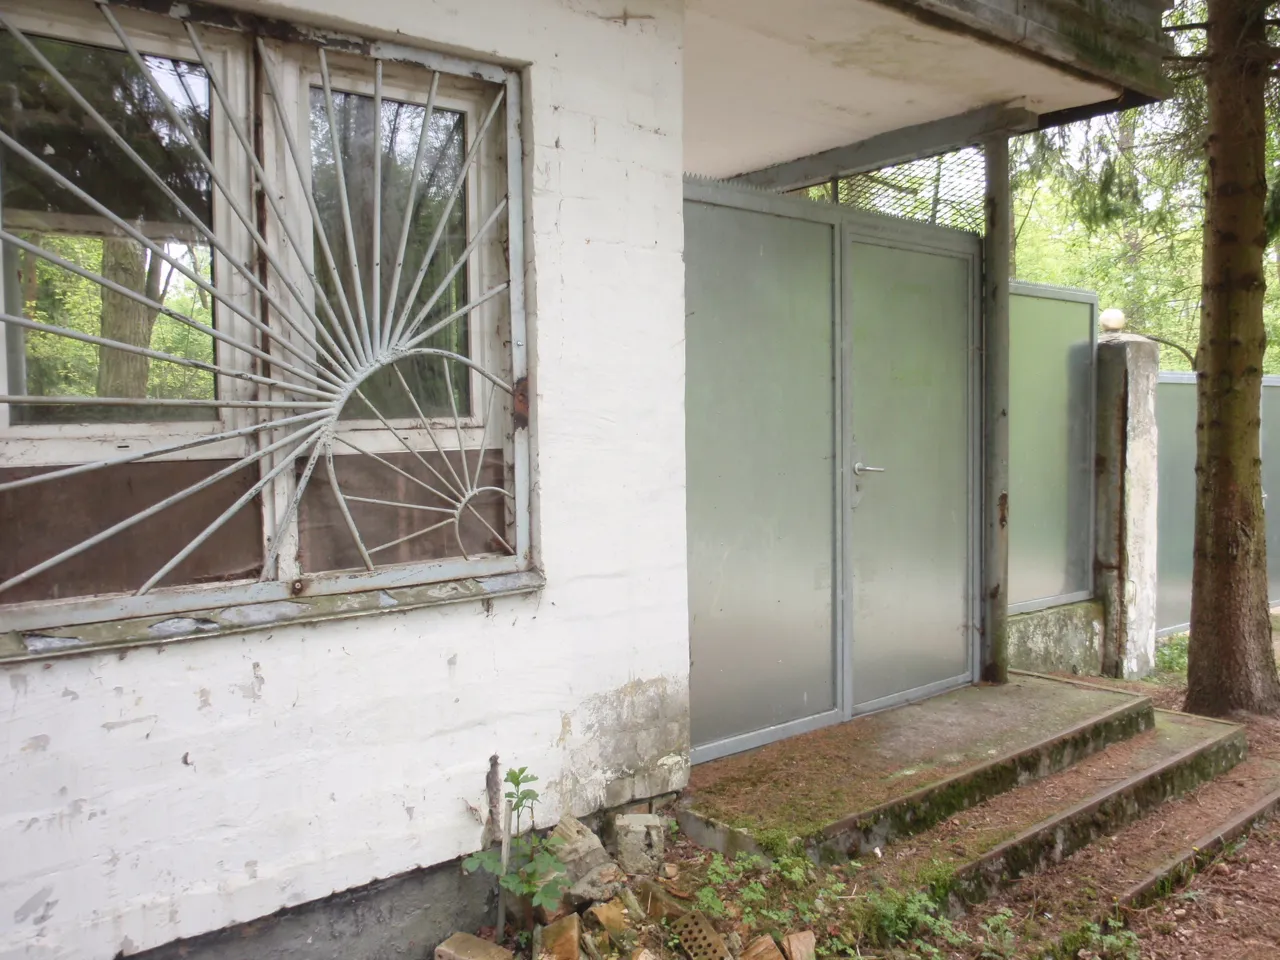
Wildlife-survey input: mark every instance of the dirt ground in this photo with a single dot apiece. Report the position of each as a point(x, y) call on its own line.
point(1229, 912)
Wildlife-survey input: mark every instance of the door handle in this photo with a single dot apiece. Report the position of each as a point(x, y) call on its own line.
point(860, 468)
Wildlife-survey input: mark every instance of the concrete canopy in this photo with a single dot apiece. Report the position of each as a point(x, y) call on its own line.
point(766, 83)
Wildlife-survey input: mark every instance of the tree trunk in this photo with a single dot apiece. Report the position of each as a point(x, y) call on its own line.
point(122, 374)
point(1231, 664)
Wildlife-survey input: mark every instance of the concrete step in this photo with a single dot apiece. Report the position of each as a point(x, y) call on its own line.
point(1020, 832)
point(1132, 866)
point(846, 790)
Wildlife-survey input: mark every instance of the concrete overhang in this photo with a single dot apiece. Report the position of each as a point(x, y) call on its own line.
point(769, 83)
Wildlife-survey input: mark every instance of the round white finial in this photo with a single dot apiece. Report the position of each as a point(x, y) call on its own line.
point(1112, 319)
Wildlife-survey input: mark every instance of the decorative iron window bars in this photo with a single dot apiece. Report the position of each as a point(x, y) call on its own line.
point(263, 328)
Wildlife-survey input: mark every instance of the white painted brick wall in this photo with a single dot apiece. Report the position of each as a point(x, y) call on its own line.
point(174, 791)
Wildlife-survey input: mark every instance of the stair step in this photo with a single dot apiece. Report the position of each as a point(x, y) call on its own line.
point(847, 789)
point(1144, 860)
point(984, 848)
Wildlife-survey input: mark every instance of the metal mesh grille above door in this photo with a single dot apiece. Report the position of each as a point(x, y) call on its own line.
point(946, 190)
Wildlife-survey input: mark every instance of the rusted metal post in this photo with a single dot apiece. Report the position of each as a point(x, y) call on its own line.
point(994, 657)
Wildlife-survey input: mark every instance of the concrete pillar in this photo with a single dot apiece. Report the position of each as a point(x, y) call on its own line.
point(1125, 555)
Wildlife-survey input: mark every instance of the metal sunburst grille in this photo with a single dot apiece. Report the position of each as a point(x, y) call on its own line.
point(269, 294)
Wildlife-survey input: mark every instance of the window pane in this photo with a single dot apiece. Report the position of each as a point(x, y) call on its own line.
point(411, 523)
point(400, 127)
point(38, 112)
point(40, 521)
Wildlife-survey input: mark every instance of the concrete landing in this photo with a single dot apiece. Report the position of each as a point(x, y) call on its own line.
point(854, 786)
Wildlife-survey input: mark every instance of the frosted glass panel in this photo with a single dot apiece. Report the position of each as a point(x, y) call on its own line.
point(760, 470)
point(909, 321)
point(1050, 461)
point(1176, 450)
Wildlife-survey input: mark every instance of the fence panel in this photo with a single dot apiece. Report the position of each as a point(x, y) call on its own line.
point(1051, 429)
point(1176, 422)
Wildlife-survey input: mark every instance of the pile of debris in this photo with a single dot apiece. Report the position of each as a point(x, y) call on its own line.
point(617, 904)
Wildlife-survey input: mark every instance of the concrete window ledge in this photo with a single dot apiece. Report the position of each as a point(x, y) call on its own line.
point(18, 646)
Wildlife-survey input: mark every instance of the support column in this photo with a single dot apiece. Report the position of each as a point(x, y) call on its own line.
point(1127, 489)
point(994, 654)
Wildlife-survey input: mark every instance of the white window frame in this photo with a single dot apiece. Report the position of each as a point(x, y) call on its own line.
point(497, 171)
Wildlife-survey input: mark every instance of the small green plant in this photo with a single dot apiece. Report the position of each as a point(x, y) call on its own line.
point(1093, 942)
point(998, 936)
point(1171, 655)
point(719, 872)
point(895, 916)
point(670, 936)
point(780, 918)
point(753, 892)
point(774, 842)
point(709, 902)
point(797, 870)
point(533, 870)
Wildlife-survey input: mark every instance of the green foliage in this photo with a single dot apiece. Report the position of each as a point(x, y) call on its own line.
point(1171, 655)
point(59, 366)
point(533, 869)
point(719, 872)
point(999, 940)
point(753, 892)
point(1090, 940)
point(1116, 204)
point(795, 869)
point(775, 843)
point(709, 902)
point(896, 916)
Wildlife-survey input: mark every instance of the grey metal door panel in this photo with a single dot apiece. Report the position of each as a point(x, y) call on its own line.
point(909, 316)
point(760, 470)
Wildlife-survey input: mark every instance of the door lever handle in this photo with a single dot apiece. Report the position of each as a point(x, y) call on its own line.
point(860, 468)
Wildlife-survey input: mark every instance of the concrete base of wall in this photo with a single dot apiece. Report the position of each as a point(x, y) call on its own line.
point(400, 918)
point(1066, 639)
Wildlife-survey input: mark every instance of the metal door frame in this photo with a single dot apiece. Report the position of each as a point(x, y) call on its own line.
point(848, 224)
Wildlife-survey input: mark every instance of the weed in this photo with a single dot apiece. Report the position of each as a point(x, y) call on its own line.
point(719, 872)
point(895, 916)
point(748, 862)
point(1171, 655)
point(775, 843)
point(998, 936)
point(1091, 941)
point(796, 870)
point(709, 902)
point(670, 936)
point(937, 877)
point(753, 892)
point(533, 870)
point(780, 919)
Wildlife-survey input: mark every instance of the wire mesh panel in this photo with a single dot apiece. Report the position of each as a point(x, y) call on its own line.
point(947, 190)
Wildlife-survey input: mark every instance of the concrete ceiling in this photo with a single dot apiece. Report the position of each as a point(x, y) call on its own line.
point(766, 82)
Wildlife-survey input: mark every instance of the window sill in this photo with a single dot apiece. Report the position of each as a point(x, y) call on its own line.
point(123, 635)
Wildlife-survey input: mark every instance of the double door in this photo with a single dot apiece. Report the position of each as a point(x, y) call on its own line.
point(831, 454)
